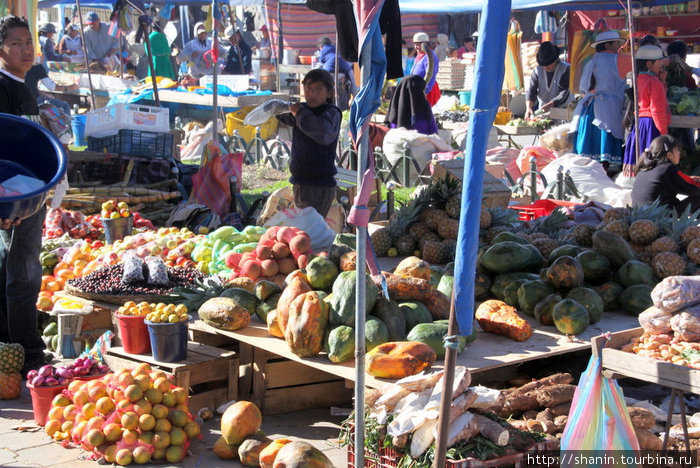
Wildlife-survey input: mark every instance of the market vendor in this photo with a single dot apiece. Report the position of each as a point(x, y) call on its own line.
point(199, 63)
point(238, 60)
point(409, 107)
point(161, 53)
point(426, 66)
point(71, 45)
point(660, 178)
point(346, 77)
point(48, 46)
point(549, 84)
point(101, 46)
point(467, 47)
point(20, 243)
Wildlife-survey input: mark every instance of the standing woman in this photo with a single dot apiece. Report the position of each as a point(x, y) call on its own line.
point(426, 66)
point(598, 116)
point(161, 53)
point(654, 114)
point(71, 45)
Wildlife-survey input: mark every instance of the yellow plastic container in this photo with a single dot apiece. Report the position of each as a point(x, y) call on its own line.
point(234, 121)
point(503, 118)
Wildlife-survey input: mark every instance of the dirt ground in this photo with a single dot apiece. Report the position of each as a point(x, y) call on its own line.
point(261, 176)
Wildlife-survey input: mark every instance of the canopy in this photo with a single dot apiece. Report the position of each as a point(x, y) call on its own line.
point(104, 3)
point(475, 6)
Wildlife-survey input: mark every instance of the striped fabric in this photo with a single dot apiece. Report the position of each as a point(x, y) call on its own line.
point(298, 35)
point(545, 23)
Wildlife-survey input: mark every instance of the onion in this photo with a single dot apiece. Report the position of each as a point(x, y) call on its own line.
point(78, 362)
point(89, 362)
point(65, 372)
point(38, 381)
point(31, 374)
point(62, 381)
point(46, 371)
point(82, 370)
point(51, 382)
point(103, 369)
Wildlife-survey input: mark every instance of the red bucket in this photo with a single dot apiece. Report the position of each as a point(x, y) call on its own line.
point(134, 334)
point(41, 400)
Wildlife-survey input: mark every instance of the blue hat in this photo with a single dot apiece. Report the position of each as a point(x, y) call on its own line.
point(92, 18)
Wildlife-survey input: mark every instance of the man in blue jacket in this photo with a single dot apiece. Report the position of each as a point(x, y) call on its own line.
point(346, 78)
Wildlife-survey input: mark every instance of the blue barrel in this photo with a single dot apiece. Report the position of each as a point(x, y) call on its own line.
point(465, 97)
point(77, 124)
point(168, 341)
point(32, 150)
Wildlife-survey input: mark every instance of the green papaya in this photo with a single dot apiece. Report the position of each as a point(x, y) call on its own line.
point(445, 285)
point(570, 317)
point(242, 297)
point(636, 299)
point(264, 289)
point(433, 334)
point(543, 309)
point(341, 344)
point(501, 281)
point(376, 333)
point(567, 249)
point(565, 273)
point(449, 269)
point(510, 293)
point(321, 273)
point(389, 312)
point(596, 266)
point(468, 338)
point(342, 299)
point(265, 307)
point(508, 237)
point(614, 247)
point(635, 272)
point(482, 285)
point(530, 293)
point(509, 257)
point(54, 342)
point(51, 329)
point(415, 313)
point(610, 293)
point(589, 299)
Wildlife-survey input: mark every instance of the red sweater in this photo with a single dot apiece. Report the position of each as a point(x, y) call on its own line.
point(651, 98)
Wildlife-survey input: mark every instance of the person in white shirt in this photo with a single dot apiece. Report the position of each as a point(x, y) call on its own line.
point(101, 47)
point(71, 45)
point(199, 65)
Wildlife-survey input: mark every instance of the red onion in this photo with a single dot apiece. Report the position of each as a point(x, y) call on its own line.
point(46, 371)
point(31, 374)
point(38, 381)
point(102, 369)
point(51, 382)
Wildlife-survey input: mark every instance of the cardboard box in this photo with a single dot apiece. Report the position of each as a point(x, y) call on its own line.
point(495, 192)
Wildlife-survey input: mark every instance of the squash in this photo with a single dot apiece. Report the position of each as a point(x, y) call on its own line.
point(390, 313)
point(224, 313)
point(396, 360)
point(501, 319)
point(296, 286)
point(301, 455)
point(306, 325)
point(438, 304)
point(273, 326)
point(407, 289)
point(268, 454)
point(240, 421)
point(413, 267)
point(249, 450)
point(340, 344)
point(321, 273)
point(242, 297)
point(342, 299)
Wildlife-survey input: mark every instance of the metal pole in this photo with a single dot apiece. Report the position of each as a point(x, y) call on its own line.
point(215, 97)
point(87, 60)
point(335, 72)
point(363, 149)
point(634, 83)
point(121, 62)
point(280, 47)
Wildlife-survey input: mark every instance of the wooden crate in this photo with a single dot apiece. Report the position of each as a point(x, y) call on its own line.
point(210, 375)
point(276, 384)
point(624, 364)
point(495, 193)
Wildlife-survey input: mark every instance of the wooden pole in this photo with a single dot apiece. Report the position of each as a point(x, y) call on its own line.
point(151, 67)
point(87, 60)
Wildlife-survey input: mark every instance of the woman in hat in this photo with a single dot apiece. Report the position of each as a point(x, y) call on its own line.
point(48, 47)
point(598, 116)
point(71, 45)
point(238, 61)
point(654, 114)
point(549, 84)
point(426, 66)
point(409, 108)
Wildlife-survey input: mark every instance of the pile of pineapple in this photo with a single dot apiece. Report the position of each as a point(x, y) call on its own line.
point(664, 240)
point(11, 361)
point(428, 224)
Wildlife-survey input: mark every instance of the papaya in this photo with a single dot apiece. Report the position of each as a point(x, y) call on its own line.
point(264, 289)
point(389, 312)
point(501, 281)
point(268, 454)
point(437, 304)
point(482, 285)
point(509, 257)
point(567, 249)
point(570, 317)
point(341, 344)
point(265, 306)
point(240, 421)
point(610, 293)
point(446, 284)
point(614, 247)
point(415, 313)
point(296, 286)
point(433, 334)
point(543, 309)
point(336, 251)
point(321, 273)
point(396, 360)
point(635, 272)
point(249, 450)
point(413, 267)
point(468, 339)
point(508, 237)
point(301, 454)
point(565, 273)
point(589, 299)
point(596, 266)
point(224, 313)
point(342, 299)
point(242, 282)
point(243, 297)
point(636, 299)
point(510, 293)
point(376, 333)
point(530, 293)
point(306, 324)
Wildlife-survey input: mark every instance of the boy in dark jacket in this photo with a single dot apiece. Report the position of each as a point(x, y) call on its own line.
point(316, 125)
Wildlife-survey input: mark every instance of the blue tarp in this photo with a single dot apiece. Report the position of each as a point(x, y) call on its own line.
point(474, 6)
point(109, 3)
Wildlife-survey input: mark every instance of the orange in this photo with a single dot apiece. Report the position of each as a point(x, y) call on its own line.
point(130, 436)
point(110, 454)
point(142, 407)
point(130, 420)
point(143, 381)
point(161, 440)
point(180, 395)
point(133, 393)
point(95, 438)
point(81, 397)
point(113, 432)
point(104, 405)
point(52, 427)
point(146, 422)
point(56, 412)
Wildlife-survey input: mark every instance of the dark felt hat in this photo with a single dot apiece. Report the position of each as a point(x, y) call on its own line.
point(547, 54)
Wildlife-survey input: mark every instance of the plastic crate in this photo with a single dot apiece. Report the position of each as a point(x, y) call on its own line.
point(110, 120)
point(232, 82)
point(234, 121)
point(539, 208)
point(135, 143)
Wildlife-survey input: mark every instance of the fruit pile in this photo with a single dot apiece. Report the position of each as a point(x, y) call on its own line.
point(108, 280)
point(49, 336)
point(131, 416)
point(211, 252)
point(60, 222)
point(11, 362)
point(242, 438)
point(51, 376)
point(156, 313)
point(114, 210)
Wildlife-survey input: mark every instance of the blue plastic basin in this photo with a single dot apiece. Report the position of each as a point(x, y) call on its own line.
point(32, 150)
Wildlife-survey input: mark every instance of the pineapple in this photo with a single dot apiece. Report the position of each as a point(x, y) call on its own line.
point(583, 234)
point(454, 206)
point(493, 231)
point(383, 239)
point(418, 230)
point(10, 385)
point(431, 252)
point(429, 236)
point(485, 218)
point(693, 251)
point(502, 216)
point(448, 228)
point(643, 231)
point(448, 250)
point(663, 244)
point(618, 226)
point(442, 191)
point(668, 264)
point(615, 213)
point(11, 357)
point(435, 218)
point(689, 234)
point(405, 245)
point(545, 245)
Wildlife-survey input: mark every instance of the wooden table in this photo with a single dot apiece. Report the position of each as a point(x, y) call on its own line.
point(677, 121)
point(507, 132)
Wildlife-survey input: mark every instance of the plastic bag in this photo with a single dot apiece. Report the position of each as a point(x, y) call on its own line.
point(676, 293)
point(263, 112)
point(210, 185)
point(686, 325)
point(598, 419)
point(308, 220)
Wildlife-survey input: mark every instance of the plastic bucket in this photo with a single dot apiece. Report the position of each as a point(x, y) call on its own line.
point(77, 123)
point(41, 400)
point(117, 228)
point(134, 334)
point(464, 97)
point(168, 341)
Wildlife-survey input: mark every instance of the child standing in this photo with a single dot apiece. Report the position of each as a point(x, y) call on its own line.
point(316, 125)
point(654, 114)
point(20, 240)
